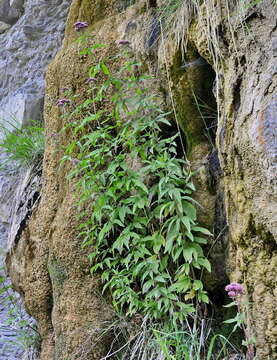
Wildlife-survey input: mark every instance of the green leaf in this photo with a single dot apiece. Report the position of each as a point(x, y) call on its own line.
point(202, 296)
point(233, 303)
point(158, 242)
point(172, 233)
point(202, 230)
point(189, 209)
point(186, 221)
point(187, 253)
point(106, 228)
point(200, 240)
point(197, 285)
point(147, 286)
point(182, 285)
point(230, 321)
point(205, 263)
point(160, 279)
point(105, 69)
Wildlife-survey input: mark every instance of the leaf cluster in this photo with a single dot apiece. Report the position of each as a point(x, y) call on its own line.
point(140, 220)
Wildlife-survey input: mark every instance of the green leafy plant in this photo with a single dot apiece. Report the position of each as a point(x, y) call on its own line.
point(235, 292)
point(23, 146)
point(142, 225)
point(138, 217)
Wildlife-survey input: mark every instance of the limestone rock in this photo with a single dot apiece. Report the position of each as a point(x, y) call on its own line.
point(17, 4)
point(4, 27)
point(247, 148)
point(7, 13)
point(53, 273)
point(26, 51)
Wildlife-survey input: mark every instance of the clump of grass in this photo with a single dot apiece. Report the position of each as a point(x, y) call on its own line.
point(22, 146)
point(141, 338)
point(177, 15)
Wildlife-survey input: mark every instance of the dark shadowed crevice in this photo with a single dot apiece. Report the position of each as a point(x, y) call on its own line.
point(236, 94)
point(153, 3)
point(193, 80)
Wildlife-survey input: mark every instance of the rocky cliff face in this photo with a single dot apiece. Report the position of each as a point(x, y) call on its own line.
point(47, 264)
point(31, 33)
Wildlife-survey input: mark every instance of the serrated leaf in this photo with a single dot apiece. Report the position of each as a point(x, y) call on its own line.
point(122, 213)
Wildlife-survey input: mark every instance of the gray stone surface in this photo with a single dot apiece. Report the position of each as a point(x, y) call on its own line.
point(17, 4)
point(31, 33)
point(8, 14)
point(4, 27)
point(14, 335)
point(26, 50)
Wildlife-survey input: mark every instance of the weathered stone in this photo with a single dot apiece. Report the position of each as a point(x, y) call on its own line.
point(17, 4)
point(246, 141)
point(8, 14)
point(26, 51)
point(53, 273)
point(4, 27)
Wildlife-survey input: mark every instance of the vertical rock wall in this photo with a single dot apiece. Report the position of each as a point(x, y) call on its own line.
point(31, 33)
point(247, 146)
point(27, 47)
point(48, 265)
point(247, 143)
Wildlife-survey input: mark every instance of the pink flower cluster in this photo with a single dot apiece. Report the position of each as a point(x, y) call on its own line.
point(234, 289)
point(80, 25)
point(63, 102)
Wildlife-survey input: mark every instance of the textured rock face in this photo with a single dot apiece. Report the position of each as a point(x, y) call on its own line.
point(68, 304)
point(9, 12)
point(247, 145)
point(26, 49)
point(31, 33)
point(53, 272)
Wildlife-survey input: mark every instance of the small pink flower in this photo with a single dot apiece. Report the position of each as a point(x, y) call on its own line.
point(62, 102)
point(234, 289)
point(80, 25)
